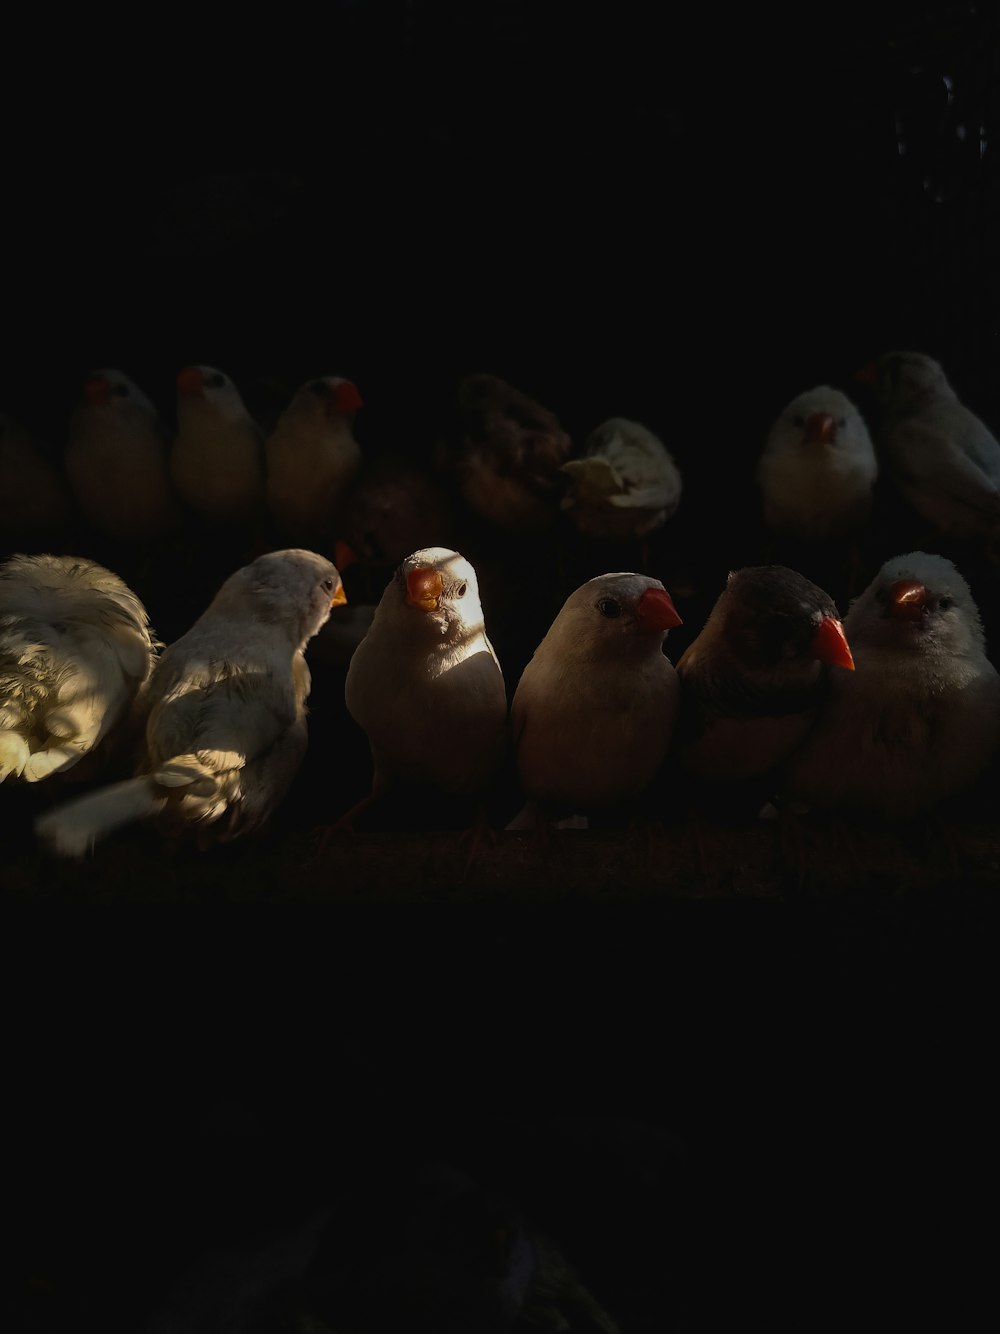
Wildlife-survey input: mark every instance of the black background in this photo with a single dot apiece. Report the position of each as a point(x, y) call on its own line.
point(693, 214)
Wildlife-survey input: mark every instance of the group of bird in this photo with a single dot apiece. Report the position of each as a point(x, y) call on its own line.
point(779, 703)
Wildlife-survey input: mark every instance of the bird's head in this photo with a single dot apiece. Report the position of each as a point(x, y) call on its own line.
point(820, 419)
point(437, 591)
point(204, 386)
point(773, 618)
point(112, 389)
point(916, 602)
point(293, 588)
point(903, 381)
point(616, 613)
point(330, 396)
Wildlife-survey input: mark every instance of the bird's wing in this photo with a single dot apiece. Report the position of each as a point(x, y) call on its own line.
point(930, 458)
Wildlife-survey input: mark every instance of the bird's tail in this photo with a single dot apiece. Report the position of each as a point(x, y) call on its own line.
point(72, 828)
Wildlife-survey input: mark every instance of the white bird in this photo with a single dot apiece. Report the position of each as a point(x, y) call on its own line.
point(626, 484)
point(425, 683)
point(919, 719)
point(944, 460)
point(116, 460)
point(312, 457)
point(33, 495)
point(818, 468)
point(594, 710)
point(226, 711)
point(506, 454)
point(75, 649)
point(217, 457)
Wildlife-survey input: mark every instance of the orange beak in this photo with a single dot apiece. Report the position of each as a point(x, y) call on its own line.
point(830, 644)
point(339, 597)
point(190, 380)
point(907, 599)
point(423, 588)
point(656, 611)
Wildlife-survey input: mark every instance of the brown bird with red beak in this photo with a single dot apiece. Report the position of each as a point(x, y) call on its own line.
point(312, 458)
point(425, 683)
point(754, 680)
point(818, 468)
point(920, 718)
point(595, 707)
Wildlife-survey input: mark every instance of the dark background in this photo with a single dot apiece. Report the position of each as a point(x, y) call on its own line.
point(684, 217)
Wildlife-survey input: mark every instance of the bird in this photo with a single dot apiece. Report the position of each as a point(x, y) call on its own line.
point(594, 709)
point(753, 680)
point(505, 452)
point(312, 458)
point(217, 456)
point(919, 720)
point(626, 484)
point(225, 712)
point(76, 648)
point(393, 509)
point(116, 460)
point(34, 498)
point(944, 461)
point(818, 468)
point(425, 684)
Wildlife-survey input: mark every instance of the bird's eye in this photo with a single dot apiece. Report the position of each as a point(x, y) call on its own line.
point(216, 381)
point(945, 602)
point(610, 608)
point(328, 585)
point(121, 390)
point(461, 590)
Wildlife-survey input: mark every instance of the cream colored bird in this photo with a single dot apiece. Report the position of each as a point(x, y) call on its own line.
point(75, 649)
point(944, 460)
point(594, 710)
point(217, 457)
point(225, 728)
point(818, 468)
point(625, 485)
point(34, 497)
point(116, 460)
point(919, 718)
point(312, 458)
point(425, 683)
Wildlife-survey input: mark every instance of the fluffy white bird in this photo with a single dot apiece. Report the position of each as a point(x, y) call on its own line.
point(312, 457)
point(75, 648)
point(943, 459)
point(33, 496)
point(594, 710)
point(425, 683)
point(116, 460)
point(920, 717)
point(226, 711)
point(756, 676)
point(625, 485)
point(217, 457)
point(818, 468)
point(506, 454)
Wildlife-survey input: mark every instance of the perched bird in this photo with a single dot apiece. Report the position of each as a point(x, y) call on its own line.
point(33, 496)
point(594, 710)
point(425, 684)
point(755, 677)
point(625, 485)
point(116, 460)
point(225, 706)
point(75, 649)
point(818, 468)
point(943, 459)
point(312, 457)
point(217, 457)
point(919, 719)
point(506, 453)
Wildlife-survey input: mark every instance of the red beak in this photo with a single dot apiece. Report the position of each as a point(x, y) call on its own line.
point(190, 380)
point(829, 644)
point(423, 588)
point(820, 428)
point(656, 611)
point(346, 398)
point(97, 389)
point(907, 599)
point(343, 554)
point(867, 374)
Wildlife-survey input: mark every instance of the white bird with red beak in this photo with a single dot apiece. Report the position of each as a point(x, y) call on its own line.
point(919, 719)
point(943, 459)
point(116, 460)
point(425, 683)
point(217, 458)
point(312, 458)
point(755, 678)
point(75, 649)
point(594, 710)
point(818, 468)
point(225, 709)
